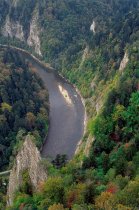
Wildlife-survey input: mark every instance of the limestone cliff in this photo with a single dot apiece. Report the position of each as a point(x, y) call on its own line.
point(93, 27)
point(13, 29)
point(29, 159)
point(33, 39)
point(124, 62)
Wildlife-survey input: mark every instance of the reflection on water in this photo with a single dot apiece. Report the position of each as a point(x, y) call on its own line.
point(65, 94)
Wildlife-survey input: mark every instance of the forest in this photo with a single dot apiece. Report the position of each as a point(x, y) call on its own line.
point(107, 178)
point(24, 105)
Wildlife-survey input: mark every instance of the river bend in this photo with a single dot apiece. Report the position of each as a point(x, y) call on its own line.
point(67, 112)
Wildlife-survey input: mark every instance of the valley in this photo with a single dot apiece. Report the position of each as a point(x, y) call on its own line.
point(69, 92)
point(67, 112)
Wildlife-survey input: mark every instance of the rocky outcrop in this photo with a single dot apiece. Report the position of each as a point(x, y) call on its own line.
point(29, 159)
point(88, 145)
point(33, 39)
point(98, 105)
point(13, 29)
point(93, 27)
point(14, 3)
point(124, 62)
point(93, 83)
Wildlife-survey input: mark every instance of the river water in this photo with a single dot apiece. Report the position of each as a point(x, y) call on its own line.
point(67, 113)
point(66, 117)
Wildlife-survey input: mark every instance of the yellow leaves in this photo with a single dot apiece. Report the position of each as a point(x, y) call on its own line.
point(121, 200)
point(56, 207)
point(6, 107)
point(103, 201)
point(118, 112)
point(121, 207)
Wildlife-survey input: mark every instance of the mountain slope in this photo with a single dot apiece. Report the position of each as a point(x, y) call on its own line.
point(94, 44)
point(23, 106)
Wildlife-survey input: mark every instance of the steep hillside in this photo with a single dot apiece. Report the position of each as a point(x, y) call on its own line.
point(85, 40)
point(23, 105)
point(27, 168)
point(94, 44)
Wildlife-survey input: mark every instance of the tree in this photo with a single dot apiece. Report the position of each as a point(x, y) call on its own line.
point(60, 161)
point(6, 107)
point(128, 196)
point(56, 207)
point(132, 115)
point(54, 190)
point(26, 186)
point(104, 201)
point(121, 166)
point(30, 120)
point(75, 195)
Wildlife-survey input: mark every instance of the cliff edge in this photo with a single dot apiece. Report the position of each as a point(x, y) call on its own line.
point(29, 159)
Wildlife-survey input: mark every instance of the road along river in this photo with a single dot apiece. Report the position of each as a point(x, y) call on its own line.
point(67, 112)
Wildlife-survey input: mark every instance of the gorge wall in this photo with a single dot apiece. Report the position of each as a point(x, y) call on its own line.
point(14, 27)
point(29, 159)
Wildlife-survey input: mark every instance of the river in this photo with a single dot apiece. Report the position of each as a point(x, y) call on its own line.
point(67, 112)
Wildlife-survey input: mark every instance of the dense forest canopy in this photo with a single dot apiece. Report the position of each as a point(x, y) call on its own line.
point(64, 32)
point(104, 64)
point(23, 105)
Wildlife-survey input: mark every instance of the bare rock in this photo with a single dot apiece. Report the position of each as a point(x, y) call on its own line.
point(13, 29)
point(33, 39)
point(29, 159)
point(124, 62)
point(88, 145)
point(93, 27)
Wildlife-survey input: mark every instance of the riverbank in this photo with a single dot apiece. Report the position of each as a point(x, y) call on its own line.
point(67, 120)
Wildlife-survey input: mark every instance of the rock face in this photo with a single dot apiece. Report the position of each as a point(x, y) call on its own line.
point(14, 2)
point(124, 62)
point(29, 159)
point(33, 39)
point(13, 29)
point(88, 145)
point(93, 27)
